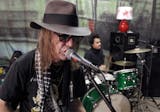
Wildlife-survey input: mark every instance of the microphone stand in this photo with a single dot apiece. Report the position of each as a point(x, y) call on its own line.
point(91, 78)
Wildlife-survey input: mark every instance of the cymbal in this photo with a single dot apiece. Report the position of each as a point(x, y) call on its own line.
point(124, 63)
point(137, 50)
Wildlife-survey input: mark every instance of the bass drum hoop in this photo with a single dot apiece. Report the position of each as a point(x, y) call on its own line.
point(119, 102)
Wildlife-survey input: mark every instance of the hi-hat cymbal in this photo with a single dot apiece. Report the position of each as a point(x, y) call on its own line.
point(124, 63)
point(137, 50)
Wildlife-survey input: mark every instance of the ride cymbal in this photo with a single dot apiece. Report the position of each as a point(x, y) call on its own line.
point(137, 50)
point(124, 63)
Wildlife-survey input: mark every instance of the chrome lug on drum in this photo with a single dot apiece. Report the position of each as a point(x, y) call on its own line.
point(126, 78)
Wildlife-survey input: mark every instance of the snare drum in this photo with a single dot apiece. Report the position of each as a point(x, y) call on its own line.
point(93, 102)
point(99, 78)
point(126, 78)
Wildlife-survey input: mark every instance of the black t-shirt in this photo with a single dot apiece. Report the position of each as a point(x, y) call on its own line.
point(20, 85)
point(94, 56)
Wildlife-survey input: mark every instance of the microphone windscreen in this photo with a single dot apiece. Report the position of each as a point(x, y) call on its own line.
point(68, 53)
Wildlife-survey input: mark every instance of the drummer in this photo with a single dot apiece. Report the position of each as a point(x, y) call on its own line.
point(95, 53)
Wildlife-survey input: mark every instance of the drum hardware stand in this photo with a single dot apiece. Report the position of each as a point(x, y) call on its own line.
point(108, 91)
point(108, 103)
point(142, 62)
point(124, 60)
point(153, 50)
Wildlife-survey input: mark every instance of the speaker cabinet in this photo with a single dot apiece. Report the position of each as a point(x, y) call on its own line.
point(123, 41)
point(152, 87)
point(154, 83)
point(120, 42)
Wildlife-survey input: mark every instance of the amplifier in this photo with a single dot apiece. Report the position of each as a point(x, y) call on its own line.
point(120, 42)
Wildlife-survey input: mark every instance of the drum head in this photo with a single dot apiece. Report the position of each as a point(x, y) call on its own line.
point(125, 71)
point(119, 102)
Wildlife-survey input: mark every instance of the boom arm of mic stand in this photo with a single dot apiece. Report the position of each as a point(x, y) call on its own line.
point(108, 103)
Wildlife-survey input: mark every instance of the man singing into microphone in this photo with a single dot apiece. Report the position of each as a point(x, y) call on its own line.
point(43, 80)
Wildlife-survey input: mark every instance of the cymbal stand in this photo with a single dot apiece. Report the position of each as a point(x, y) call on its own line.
point(142, 65)
point(91, 78)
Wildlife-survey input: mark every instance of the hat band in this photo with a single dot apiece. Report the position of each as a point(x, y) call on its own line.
point(70, 20)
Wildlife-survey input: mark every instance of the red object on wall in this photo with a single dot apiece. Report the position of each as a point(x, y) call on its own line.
point(123, 26)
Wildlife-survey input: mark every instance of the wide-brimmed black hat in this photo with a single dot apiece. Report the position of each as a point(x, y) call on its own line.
point(61, 17)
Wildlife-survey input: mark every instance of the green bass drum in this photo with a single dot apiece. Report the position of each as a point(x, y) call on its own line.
point(93, 102)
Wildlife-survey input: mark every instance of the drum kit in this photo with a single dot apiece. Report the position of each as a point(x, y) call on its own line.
point(114, 86)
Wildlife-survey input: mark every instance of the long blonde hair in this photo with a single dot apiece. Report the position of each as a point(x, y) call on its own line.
point(45, 48)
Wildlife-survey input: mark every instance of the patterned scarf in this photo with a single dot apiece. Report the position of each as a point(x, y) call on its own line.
point(43, 80)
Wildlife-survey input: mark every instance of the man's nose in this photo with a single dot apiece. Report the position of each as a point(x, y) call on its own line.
point(69, 43)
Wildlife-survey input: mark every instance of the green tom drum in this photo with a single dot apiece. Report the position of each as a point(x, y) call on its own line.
point(126, 78)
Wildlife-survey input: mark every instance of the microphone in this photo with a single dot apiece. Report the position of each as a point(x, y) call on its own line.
point(72, 55)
